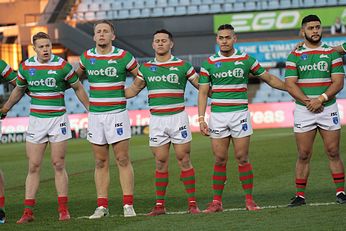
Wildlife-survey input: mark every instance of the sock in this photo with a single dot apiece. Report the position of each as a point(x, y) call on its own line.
point(161, 182)
point(62, 202)
point(102, 201)
point(2, 202)
point(127, 199)
point(300, 186)
point(246, 179)
point(339, 180)
point(219, 179)
point(29, 205)
point(188, 178)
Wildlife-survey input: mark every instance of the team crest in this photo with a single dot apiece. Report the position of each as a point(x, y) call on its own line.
point(218, 64)
point(244, 127)
point(63, 130)
point(153, 68)
point(335, 120)
point(92, 61)
point(184, 134)
point(120, 131)
point(32, 71)
point(304, 56)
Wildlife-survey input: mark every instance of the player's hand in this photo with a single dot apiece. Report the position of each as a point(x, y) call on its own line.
point(2, 114)
point(314, 105)
point(203, 127)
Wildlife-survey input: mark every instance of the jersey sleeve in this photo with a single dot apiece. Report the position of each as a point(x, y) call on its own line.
point(140, 73)
point(70, 76)
point(82, 61)
point(291, 70)
point(21, 81)
point(343, 46)
point(7, 72)
point(337, 64)
point(204, 77)
point(131, 62)
point(191, 73)
point(255, 68)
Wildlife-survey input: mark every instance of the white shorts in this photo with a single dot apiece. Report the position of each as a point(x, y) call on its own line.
point(108, 128)
point(234, 124)
point(169, 128)
point(305, 121)
point(42, 130)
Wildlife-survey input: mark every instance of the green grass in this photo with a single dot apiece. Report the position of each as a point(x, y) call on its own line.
point(272, 153)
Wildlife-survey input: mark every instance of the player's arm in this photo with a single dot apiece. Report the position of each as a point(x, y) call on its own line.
point(341, 49)
point(134, 72)
point(137, 85)
point(81, 94)
point(273, 81)
point(81, 73)
point(202, 106)
point(15, 96)
point(294, 90)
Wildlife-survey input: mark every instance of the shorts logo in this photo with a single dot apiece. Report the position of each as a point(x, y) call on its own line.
point(153, 68)
point(120, 131)
point(217, 132)
point(335, 120)
point(218, 64)
point(32, 71)
point(304, 57)
point(90, 135)
point(184, 134)
point(298, 125)
point(153, 139)
point(92, 61)
point(63, 128)
point(244, 127)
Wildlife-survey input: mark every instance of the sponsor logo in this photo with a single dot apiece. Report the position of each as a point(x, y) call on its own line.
point(120, 131)
point(334, 114)
point(90, 135)
point(244, 127)
point(182, 128)
point(153, 68)
point(112, 61)
point(184, 134)
point(92, 61)
point(173, 69)
point(171, 78)
point(32, 71)
point(218, 64)
point(320, 66)
point(324, 56)
point(238, 63)
point(49, 82)
point(297, 125)
point(236, 72)
point(243, 120)
point(153, 139)
point(109, 71)
point(118, 125)
point(335, 120)
point(31, 135)
point(63, 128)
point(51, 72)
point(214, 131)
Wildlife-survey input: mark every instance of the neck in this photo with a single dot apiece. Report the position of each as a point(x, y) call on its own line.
point(227, 53)
point(312, 45)
point(163, 58)
point(103, 49)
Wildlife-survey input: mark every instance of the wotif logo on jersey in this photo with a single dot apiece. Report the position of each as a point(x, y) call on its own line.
point(320, 66)
point(49, 82)
point(171, 78)
point(236, 72)
point(109, 71)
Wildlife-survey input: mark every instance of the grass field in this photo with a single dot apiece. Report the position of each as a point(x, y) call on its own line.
point(272, 153)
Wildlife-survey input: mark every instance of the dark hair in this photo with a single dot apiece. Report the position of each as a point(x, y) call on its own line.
point(39, 35)
point(310, 18)
point(225, 27)
point(109, 23)
point(164, 31)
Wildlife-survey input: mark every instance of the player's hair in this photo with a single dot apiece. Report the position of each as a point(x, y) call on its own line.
point(39, 35)
point(310, 18)
point(109, 23)
point(225, 27)
point(164, 31)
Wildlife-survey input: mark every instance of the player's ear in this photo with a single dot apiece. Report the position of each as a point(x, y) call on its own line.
point(172, 44)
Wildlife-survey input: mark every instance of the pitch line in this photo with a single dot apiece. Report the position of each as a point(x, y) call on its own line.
point(227, 210)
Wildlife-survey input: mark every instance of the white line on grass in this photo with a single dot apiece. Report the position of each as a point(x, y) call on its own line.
point(226, 210)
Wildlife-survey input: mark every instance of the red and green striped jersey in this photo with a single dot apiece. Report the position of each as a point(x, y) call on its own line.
point(343, 46)
point(107, 75)
point(313, 69)
point(6, 71)
point(47, 84)
point(166, 82)
point(228, 78)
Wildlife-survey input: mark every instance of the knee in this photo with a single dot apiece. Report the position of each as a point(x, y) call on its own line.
point(220, 161)
point(122, 160)
point(242, 158)
point(333, 153)
point(59, 165)
point(100, 163)
point(304, 156)
point(34, 167)
point(161, 165)
point(185, 162)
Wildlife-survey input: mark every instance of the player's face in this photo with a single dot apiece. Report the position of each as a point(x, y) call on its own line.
point(225, 39)
point(162, 44)
point(312, 32)
point(43, 49)
point(103, 35)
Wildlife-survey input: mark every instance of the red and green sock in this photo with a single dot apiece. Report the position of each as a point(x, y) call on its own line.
point(29, 206)
point(189, 180)
point(339, 180)
point(300, 187)
point(246, 179)
point(219, 179)
point(2, 203)
point(161, 183)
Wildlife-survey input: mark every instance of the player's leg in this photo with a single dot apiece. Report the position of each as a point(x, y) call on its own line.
point(187, 174)
point(161, 154)
point(2, 198)
point(34, 153)
point(305, 141)
point(58, 151)
point(126, 175)
point(331, 140)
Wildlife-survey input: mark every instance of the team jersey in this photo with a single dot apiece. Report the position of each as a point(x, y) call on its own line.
point(313, 69)
point(228, 78)
point(107, 76)
point(47, 84)
point(343, 46)
point(166, 82)
point(6, 72)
